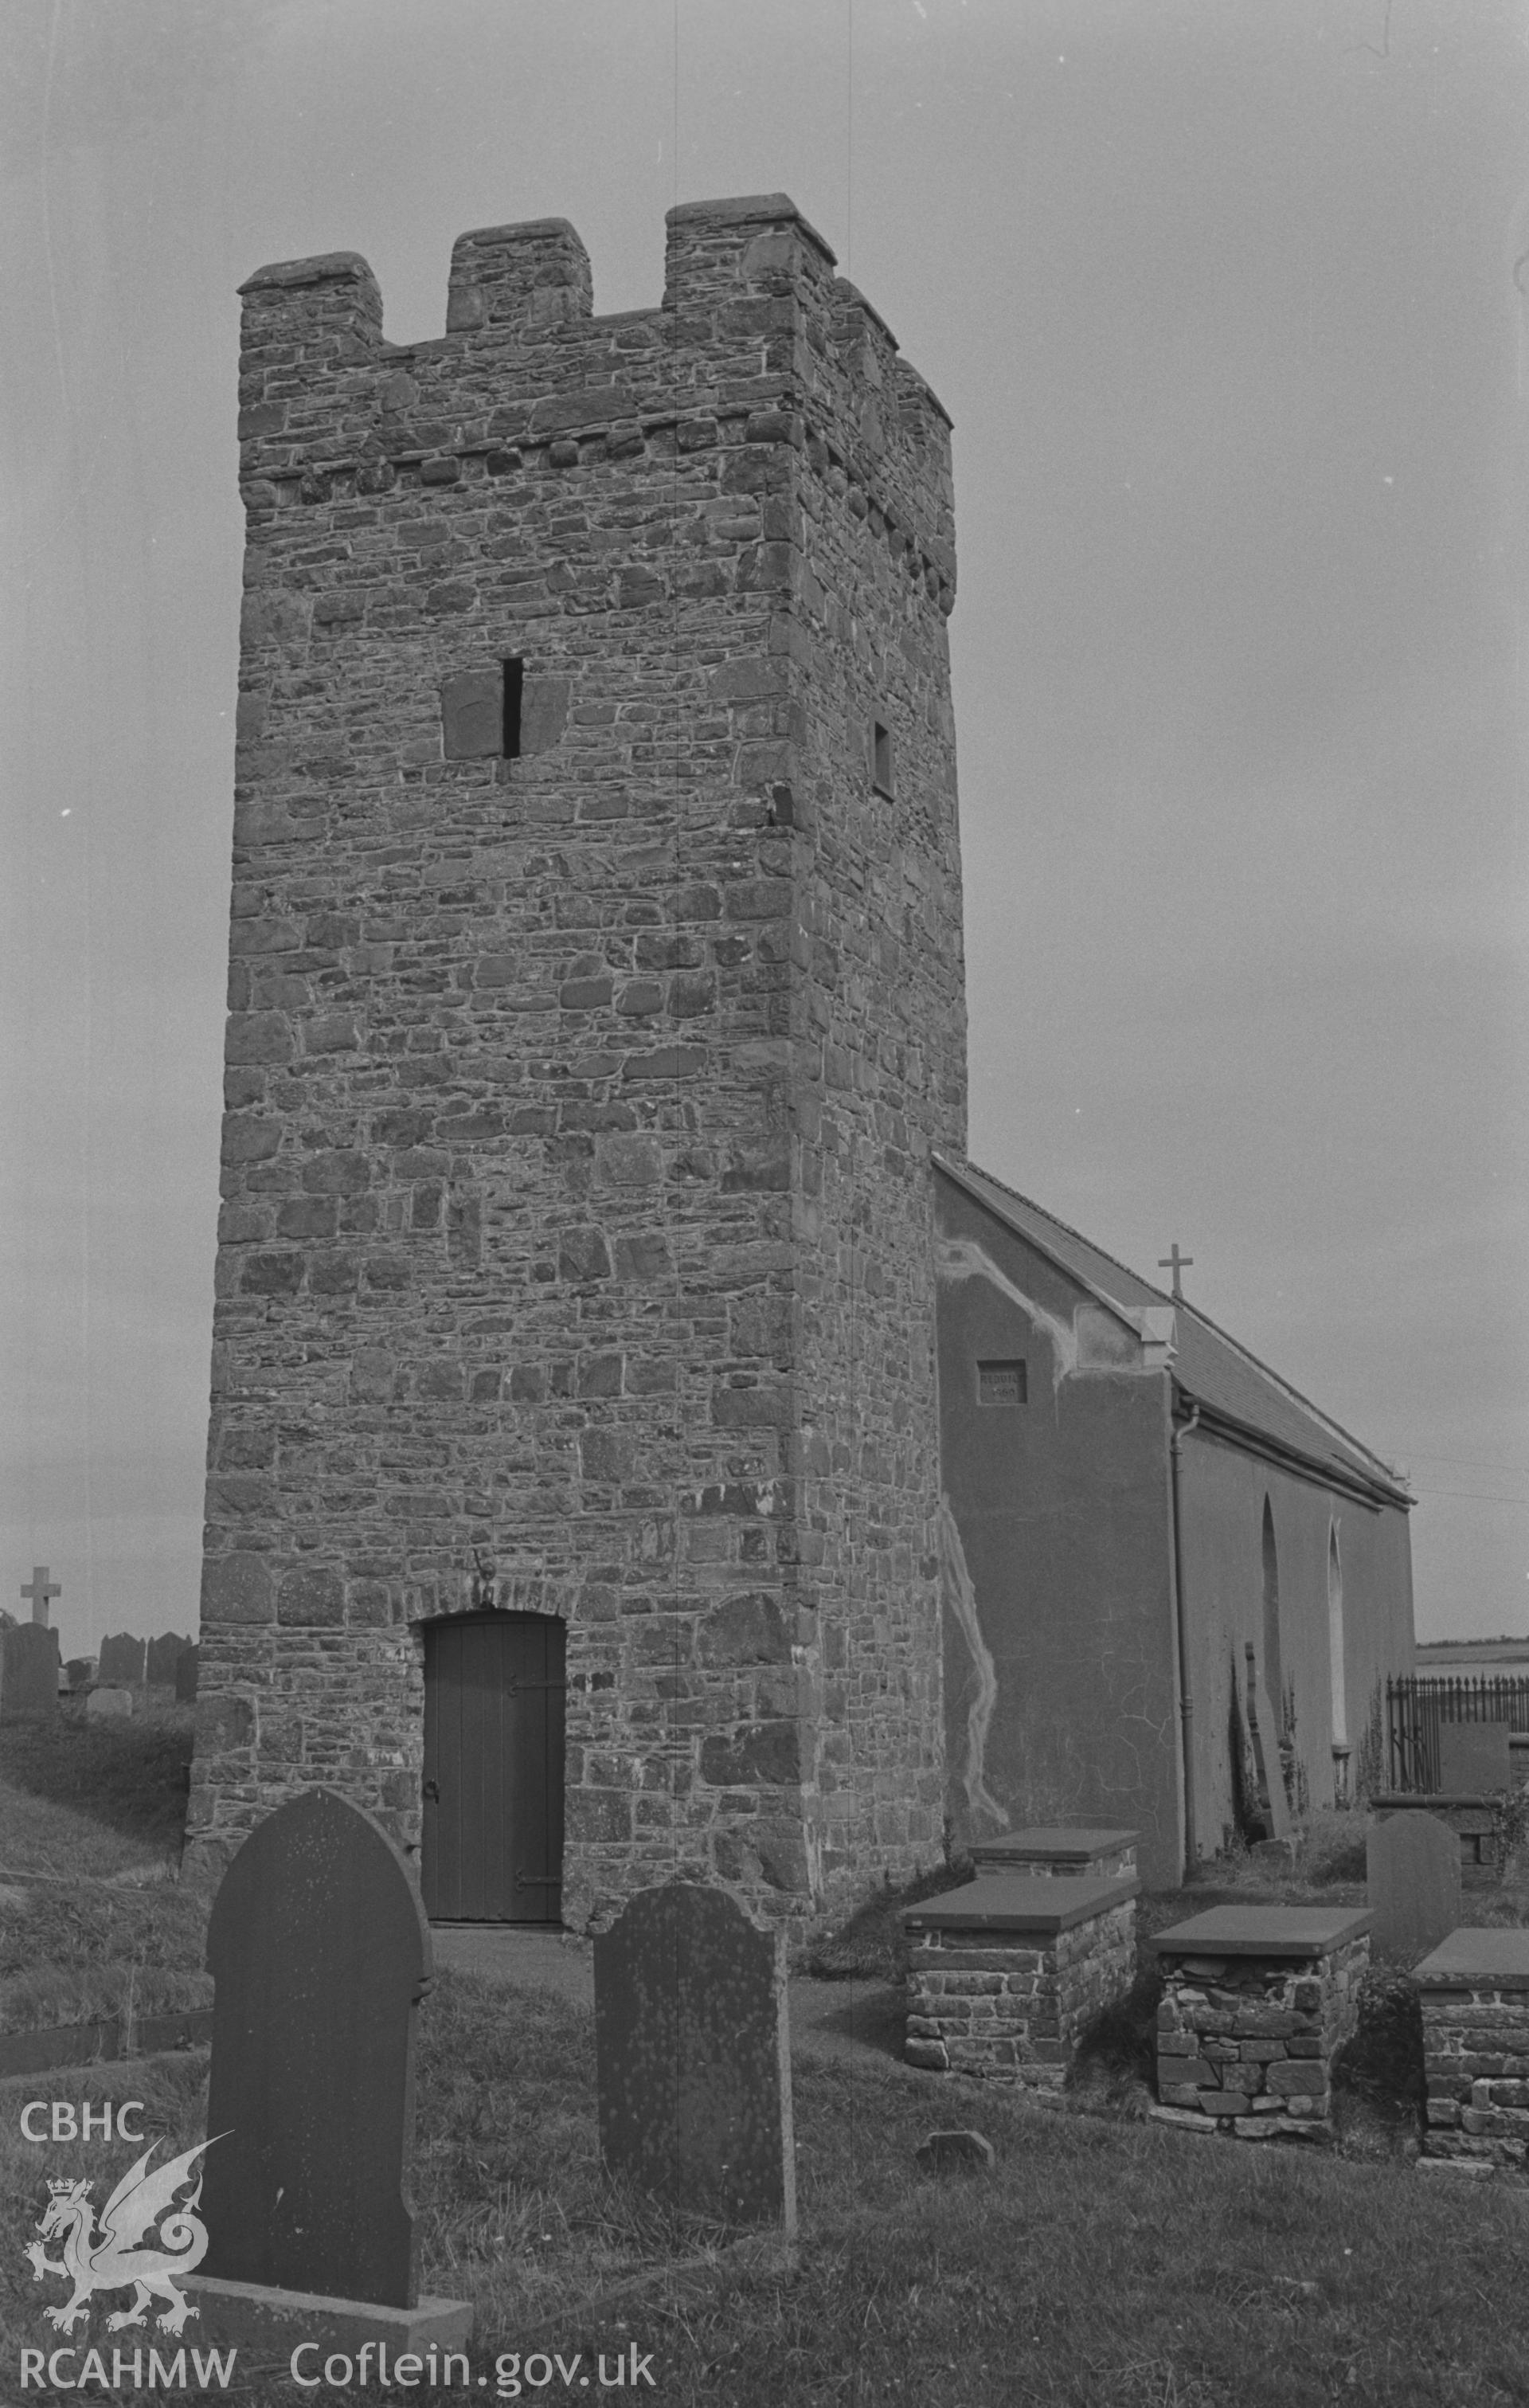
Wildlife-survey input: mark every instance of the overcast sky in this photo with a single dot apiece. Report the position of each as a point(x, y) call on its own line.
point(1221, 298)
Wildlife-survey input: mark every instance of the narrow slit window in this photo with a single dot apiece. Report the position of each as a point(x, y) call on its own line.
point(881, 759)
point(514, 683)
point(1002, 1383)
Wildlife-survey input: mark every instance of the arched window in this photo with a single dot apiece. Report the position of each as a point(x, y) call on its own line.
point(1274, 1679)
point(1334, 1633)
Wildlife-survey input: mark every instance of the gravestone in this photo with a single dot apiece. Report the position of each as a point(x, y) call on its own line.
point(955, 2153)
point(1412, 1886)
point(1474, 1759)
point(108, 1705)
point(693, 2066)
point(28, 1670)
point(185, 1675)
point(321, 1953)
point(79, 1671)
point(162, 1659)
point(121, 1662)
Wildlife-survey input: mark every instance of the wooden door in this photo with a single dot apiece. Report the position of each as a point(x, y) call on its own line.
point(494, 1698)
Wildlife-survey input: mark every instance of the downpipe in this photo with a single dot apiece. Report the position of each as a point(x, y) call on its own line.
point(1178, 1432)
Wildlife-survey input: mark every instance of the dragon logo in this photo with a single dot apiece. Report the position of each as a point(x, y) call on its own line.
point(111, 2259)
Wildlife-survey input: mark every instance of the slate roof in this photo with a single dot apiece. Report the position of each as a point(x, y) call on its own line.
point(1209, 1369)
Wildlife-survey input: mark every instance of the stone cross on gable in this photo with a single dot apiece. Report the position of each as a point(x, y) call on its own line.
point(39, 1589)
point(1176, 1262)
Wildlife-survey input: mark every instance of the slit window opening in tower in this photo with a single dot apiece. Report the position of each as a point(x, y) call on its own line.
point(882, 760)
point(514, 683)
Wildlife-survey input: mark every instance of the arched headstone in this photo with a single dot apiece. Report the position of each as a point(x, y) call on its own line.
point(161, 1659)
point(121, 1662)
point(320, 1954)
point(692, 2055)
point(1412, 1887)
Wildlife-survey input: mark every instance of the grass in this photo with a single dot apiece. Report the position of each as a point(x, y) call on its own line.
point(871, 1946)
point(92, 1814)
point(102, 1798)
point(1101, 2262)
point(1104, 2259)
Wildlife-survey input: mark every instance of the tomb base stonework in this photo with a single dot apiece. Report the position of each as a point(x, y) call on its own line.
point(1473, 1993)
point(1004, 1973)
point(1058, 1850)
point(1256, 2002)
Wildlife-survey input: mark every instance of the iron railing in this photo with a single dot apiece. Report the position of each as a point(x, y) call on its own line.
point(1420, 1702)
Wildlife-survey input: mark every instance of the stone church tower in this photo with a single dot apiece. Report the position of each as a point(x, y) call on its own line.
point(595, 1002)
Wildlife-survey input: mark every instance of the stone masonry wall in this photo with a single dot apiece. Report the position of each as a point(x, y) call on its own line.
point(576, 1243)
point(1012, 2004)
point(1476, 2057)
point(1250, 2048)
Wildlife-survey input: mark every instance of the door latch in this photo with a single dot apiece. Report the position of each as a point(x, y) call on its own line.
point(431, 1790)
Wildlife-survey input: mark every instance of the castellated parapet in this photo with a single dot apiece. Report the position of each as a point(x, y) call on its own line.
point(591, 1024)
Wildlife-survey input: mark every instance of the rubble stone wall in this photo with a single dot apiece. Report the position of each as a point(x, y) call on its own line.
point(1012, 2004)
point(1476, 2057)
point(576, 1249)
point(1249, 2045)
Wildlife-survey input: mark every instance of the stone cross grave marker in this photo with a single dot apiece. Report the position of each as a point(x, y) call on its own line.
point(320, 1954)
point(692, 2065)
point(1412, 1886)
point(39, 1589)
point(1474, 1759)
point(29, 1668)
point(121, 1662)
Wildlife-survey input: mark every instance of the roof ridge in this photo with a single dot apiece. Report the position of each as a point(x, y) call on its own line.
point(1318, 1413)
point(1277, 1379)
point(1066, 1226)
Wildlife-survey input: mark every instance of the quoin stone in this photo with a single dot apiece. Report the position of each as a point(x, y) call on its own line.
point(1412, 1866)
point(692, 2056)
point(596, 1004)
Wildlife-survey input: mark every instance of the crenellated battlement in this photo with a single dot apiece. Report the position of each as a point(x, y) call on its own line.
point(596, 1006)
point(756, 340)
